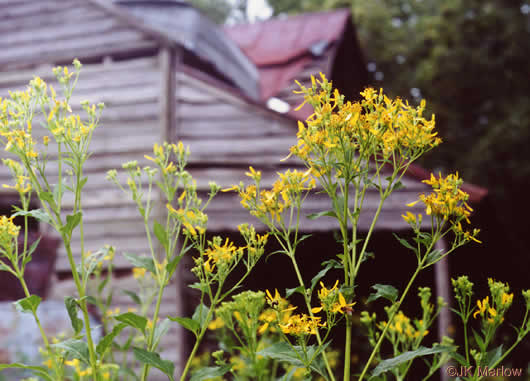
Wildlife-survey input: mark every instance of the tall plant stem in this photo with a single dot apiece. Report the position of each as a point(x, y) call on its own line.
point(198, 342)
point(308, 305)
point(395, 308)
point(145, 369)
point(83, 305)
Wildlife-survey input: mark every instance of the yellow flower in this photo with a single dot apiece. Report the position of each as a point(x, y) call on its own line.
point(341, 306)
point(138, 272)
point(482, 306)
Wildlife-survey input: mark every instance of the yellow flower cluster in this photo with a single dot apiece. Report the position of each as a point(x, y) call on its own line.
point(447, 202)
point(17, 170)
point(8, 230)
point(332, 300)
point(492, 312)
point(162, 153)
point(269, 205)
point(194, 222)
point(76, 364)
point(404, 329)
point(376, 128)
point(221, 255)
point(301, 325)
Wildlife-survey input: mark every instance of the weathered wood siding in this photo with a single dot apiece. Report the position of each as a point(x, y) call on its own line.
point(50, 31)
point(128, 129)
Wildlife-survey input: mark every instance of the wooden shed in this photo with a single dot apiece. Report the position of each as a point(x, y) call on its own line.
point(165, 72)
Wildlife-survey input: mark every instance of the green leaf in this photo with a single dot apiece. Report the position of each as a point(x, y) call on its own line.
point(434, 256)
point(210, 372)
point(48, 197)
point(71, 308)
point(383, 291)
point(284, 352)
point(160, 234)
point(37, 370)
point(132, 320)
point(200, 315)
point(107, 340)
point(328, 266)
point(72, 220)
point(199, 286)
point(290, 291)
point(172, 265)
point(190, 324)
point(479, 341)
point(154, 359)
point(30, 251)
point(405, 243)
point(133, 296)
point(389, 364)
point(327, 213)
point(77, 348)
point(38, 214)
point(160, 330)
point(493, 356)
point(28, 304)
point(141, 261)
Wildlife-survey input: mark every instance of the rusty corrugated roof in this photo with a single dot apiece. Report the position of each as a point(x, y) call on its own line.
point(282, 47)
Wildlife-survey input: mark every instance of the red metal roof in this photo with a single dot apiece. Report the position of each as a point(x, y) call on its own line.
point(281, 47)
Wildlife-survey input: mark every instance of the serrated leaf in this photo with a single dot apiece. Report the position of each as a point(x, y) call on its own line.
point(290, 291)
point(107, 340)
point(383, 291)
point(132, 320)
point(133, 296)
point(326, 213)
point(28, 304)
point(141, 261)
point(389, 364)
point(154, 359)
point(37, 370)
point(77, 348)
point(160, 234)
point(71, 308)
point(189, 324)
point(210, 372)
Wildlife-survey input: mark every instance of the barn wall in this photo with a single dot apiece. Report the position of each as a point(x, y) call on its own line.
point(50, 31)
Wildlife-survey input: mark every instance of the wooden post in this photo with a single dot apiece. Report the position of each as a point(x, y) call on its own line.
point(443, 289)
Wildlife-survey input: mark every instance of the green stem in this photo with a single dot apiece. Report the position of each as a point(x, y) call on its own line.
point(308, 305)
point(145, 370)
point(395, 309)
point(35, 316)
point(83, 305)
point(347, 350)
point(197, 343)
